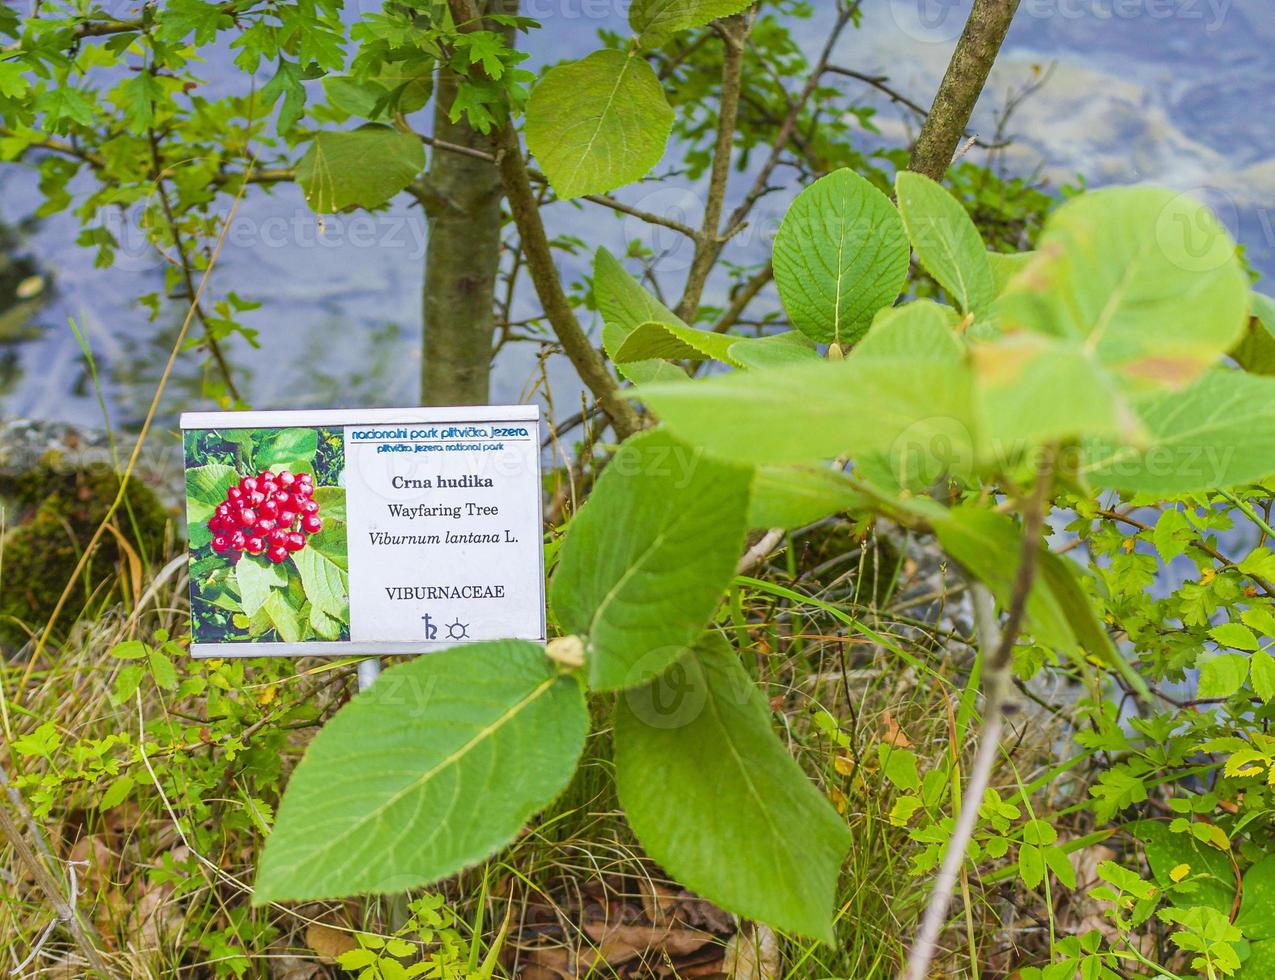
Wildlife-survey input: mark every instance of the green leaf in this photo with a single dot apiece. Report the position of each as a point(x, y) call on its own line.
point(1145, 279)
point(1255, 352)
point(178, 18)
point(1006, 265)
point(322, 564)
point(599, 123)
point(1263, 666)
point(1222, 674)
point(281, 616)
point(1165, 850)
point(1257, 907)
point(1056, 859)
point(1031, 865)
point(625, 306)
point(331, 501)
point(256, 577)
point(790, 496)
point(1172, 534)
point(1234, 635)
point(1219, 432)
point(648, 556)
point(656, 21)
point(358, 97)
point(718, 801)
point(162, 670)
point(807, 412)
point(288, 447)
point(206, 487)
point(362, 168)
point(841, 255)
point(776, 350)
point(945, 240)
point(436, 766)
point(668, 341)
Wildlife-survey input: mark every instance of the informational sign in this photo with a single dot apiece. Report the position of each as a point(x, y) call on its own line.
point(384, 531)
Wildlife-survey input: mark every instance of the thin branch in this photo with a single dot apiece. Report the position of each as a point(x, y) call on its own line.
point(734, 31)
point(746, 294)
point(997, 677)
point(966, 75)
point(882, 84)
point(525, 209)
point(65, 909)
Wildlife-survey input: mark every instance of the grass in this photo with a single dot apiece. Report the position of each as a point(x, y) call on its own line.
point(166, 788)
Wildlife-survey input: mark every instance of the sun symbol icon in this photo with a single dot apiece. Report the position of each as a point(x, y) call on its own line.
point(457, 630)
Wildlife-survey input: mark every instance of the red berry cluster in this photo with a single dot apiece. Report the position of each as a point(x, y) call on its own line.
point(268, 514)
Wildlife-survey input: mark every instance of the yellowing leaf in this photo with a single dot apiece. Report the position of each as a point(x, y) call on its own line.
point(1180, 872)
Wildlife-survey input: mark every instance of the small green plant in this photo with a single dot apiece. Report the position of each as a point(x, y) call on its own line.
point(427, 945)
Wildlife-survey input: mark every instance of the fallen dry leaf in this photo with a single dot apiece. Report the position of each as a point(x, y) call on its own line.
point(752, 954)
point(327, 942)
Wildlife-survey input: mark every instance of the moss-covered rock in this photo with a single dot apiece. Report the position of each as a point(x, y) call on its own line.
point(53, 513)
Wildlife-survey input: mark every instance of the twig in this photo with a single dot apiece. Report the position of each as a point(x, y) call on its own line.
point(996, 681)
point(881, 84)
point(746, 294)
point(734, 31)
point(760, 550)
point(523, 206)
point(63, 907)
point(966, 75)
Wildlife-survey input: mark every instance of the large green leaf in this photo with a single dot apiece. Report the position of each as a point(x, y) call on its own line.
point(647, 558)
point(1006, 265)
point(257, 578)
point(656, 21)
point(790, 496)
point(670, 341)
point(360, 168)
point(436, 766)
point(717, 800)
point(1219, 432)
point(598, 123)
point(288, 447)
point(775, 350)
point(841, 255)
point(1257, 911)
point(1256, 350)
point(625, 306)
point(323, 565)
point(807, 412)
point(1144, 279)
point(945, 240)
point(206, 487)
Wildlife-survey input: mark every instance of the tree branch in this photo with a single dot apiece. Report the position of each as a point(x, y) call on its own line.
point(708, 246)
point(523, 206)
point(996, 680)
point(966, 75)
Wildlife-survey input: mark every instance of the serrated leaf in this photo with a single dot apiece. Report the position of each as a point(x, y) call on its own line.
point(1144, 278)
point(625, 305)
point(945, 240)
point(282, 617)
point(841, 255)
point(598, 123)
point(1031, 865)
point(776, 350)
point(288, 447)
point(668, 341)
point(1234, 635)
point(648, 557)
point(436, 766)
point(1172, 534)
point(656, 21)
point(1219, 432)
point(331, 501)
point(1006, 265)
point(1263, 668)
point(1221, 675)
point(162, 669)
point(323, 574)
point(206, 487)
point(718, 801)
point(362, 168)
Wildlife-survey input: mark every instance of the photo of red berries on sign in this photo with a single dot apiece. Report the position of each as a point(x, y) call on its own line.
point(266, 525)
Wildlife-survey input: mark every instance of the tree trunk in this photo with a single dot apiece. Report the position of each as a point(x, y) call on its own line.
point(967, 73)
point(462, 258)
